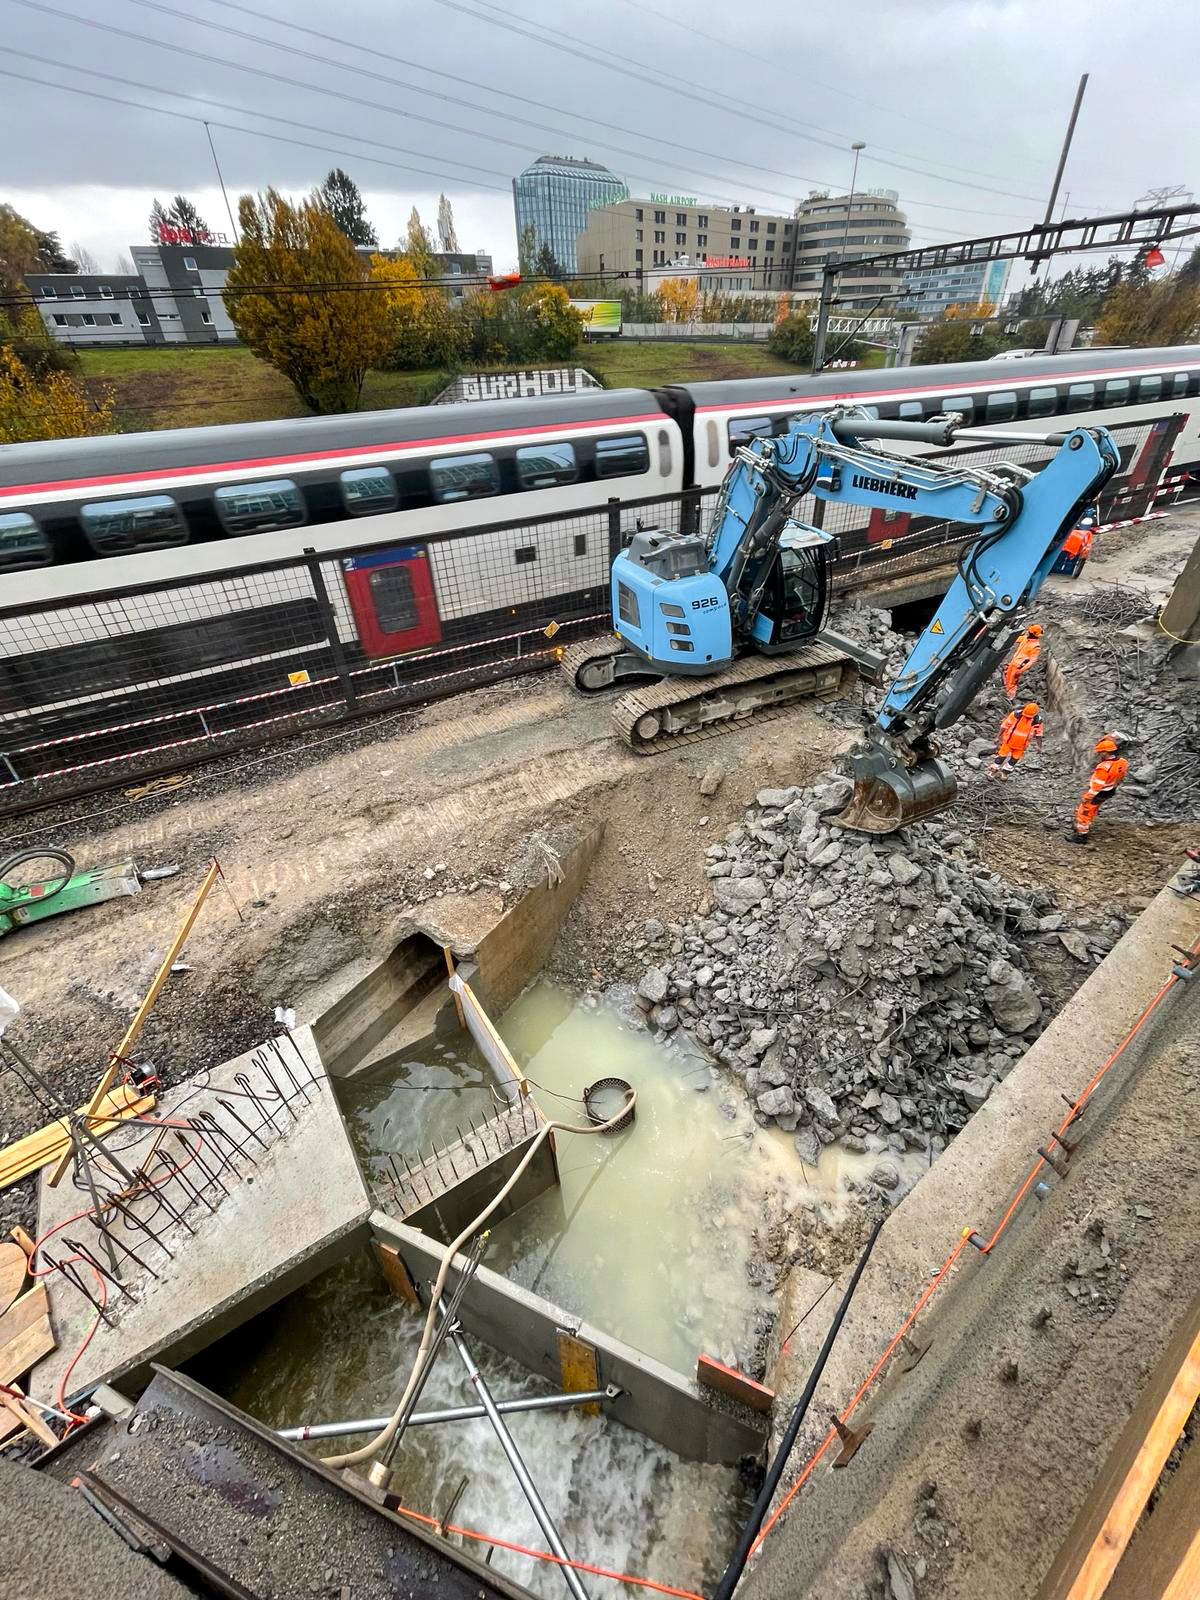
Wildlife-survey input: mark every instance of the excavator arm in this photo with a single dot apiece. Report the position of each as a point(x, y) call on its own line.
point(897, 774)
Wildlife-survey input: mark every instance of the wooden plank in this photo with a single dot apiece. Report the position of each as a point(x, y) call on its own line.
point(737, 1385)
point(25, 1334)
point(27, 1155)
point(13, 1265)
point(1163, 1558)
point(579, 1368)
point(1084, 1566)
point(28, 1416)
point(395, 1271)
point(143, 1011)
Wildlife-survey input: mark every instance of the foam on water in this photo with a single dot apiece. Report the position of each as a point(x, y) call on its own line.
point(343, 1347)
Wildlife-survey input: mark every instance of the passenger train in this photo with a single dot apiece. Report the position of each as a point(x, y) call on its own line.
point(439, 528)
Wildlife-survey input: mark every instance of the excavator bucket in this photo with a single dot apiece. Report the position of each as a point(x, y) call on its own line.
point(888, 795)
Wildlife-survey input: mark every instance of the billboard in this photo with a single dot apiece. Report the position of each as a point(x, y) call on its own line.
point(601, 318)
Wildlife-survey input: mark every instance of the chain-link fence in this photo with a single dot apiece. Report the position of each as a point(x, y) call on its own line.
point(154, 677)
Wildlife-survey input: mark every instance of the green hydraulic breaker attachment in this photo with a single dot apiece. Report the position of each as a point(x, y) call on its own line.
point(69, 891)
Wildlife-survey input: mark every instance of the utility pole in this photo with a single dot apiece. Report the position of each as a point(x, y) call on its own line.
point(1062, 160)
point(857, 146)
point(221, 181)
point(828, 283)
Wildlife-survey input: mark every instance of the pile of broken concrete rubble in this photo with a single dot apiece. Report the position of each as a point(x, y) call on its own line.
point(865, 989)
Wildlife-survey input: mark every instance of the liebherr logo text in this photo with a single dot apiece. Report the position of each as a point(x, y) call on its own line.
point(902, 491)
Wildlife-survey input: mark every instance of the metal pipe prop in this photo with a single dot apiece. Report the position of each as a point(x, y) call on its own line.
point(528, 1488)
point(422, 1419)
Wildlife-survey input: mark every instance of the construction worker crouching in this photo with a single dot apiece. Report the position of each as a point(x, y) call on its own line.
point(1016, 732)
point(1029, 648)
point(1077, 546)
point(1107, 774)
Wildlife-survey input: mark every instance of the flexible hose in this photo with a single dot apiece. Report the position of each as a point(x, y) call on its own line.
point(23, 856)
point(381, 1440)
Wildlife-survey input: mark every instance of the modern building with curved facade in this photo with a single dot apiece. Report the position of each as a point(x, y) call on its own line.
point(554, 196)
point(868, 223)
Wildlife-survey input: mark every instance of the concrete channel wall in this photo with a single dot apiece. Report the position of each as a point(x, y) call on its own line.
point(656, 1401)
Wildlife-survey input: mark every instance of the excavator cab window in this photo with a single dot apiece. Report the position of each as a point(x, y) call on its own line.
point(795, 599)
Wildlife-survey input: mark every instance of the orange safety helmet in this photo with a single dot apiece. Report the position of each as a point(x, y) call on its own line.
point(1031, 710)
point(1106, 746)
point(1034, 630)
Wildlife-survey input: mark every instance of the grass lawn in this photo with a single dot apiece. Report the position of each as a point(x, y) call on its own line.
point(165, 386)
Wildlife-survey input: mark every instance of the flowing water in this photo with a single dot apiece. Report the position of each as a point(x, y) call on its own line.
point(650, 1237)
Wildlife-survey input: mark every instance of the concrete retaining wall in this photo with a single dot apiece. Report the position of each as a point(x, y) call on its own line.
point(657, 1401)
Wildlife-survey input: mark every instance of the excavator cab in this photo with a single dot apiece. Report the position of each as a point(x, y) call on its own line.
point(792, 600)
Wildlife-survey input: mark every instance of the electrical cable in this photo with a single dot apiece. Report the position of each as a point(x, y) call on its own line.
point(383, 1438)
point(737, 1561)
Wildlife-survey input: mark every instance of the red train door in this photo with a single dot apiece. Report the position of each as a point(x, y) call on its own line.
point(392, 599)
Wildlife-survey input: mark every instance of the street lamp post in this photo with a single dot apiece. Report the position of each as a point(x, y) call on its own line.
point(858, 145)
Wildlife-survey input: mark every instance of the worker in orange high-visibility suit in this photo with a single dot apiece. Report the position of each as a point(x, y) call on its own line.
point(1029, 648)
point(1077, 547)
point(1107, 774)
point(1017, 730)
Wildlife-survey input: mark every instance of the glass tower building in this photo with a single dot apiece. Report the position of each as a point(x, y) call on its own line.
point(554, 196)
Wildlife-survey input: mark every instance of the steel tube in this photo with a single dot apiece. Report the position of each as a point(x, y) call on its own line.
point(528, 1487)
point(419, 1419)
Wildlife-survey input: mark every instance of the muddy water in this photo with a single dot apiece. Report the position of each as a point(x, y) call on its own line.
point(650, 1236)
point(343, 1348)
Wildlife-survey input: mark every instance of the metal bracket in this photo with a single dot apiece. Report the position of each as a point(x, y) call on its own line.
point(851, 1439)
point(915, 1351)
point(1060, 1162)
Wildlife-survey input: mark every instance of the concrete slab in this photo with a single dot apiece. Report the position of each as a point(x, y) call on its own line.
point(295, 1208)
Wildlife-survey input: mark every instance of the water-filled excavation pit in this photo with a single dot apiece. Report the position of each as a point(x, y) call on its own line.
point(650, 1235)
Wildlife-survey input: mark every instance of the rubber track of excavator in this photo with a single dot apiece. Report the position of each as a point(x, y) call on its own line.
point(579, 654)
point(678, 691)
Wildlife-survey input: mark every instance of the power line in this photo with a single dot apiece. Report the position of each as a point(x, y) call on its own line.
point(378, 54)
point(689, 27)
point(230, 127)
point(693, 91)
point(297, 83)
point(270, 116)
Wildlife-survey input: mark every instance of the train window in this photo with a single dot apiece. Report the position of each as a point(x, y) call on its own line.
point(1043, 402)
point(368, 489)
point(743, 429)
point(542, 466)
point(464, 477)
point(255, 507)
point(22, 542)
point(910, 411)
point(714, 443)
point(1081, 397)
point(627, 606)
point(962, 403)
point(1116, 392)
point(1001, 407)
point(623, 457)
point(581, 544)
point(118, 527)
point(524, 554)
point(1150, 388)
point(1179, 384)
point(393, 600)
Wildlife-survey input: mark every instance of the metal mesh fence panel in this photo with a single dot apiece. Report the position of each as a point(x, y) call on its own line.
point(152, 677)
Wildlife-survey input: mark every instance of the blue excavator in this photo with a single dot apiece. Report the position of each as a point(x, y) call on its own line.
point(733, 621)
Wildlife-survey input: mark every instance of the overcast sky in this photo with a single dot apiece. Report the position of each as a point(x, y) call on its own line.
point(962, 104)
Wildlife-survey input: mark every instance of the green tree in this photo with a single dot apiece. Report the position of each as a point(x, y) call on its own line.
point(791, 339)
point(52, 406)
point(323, 340)
point(545, 264)
point(526, 250)
point(418, 247)
point(25, 249)
point(447, 236)
point(1166, 312)
point(962, 333)
point(180, 215)
point(342, 198)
